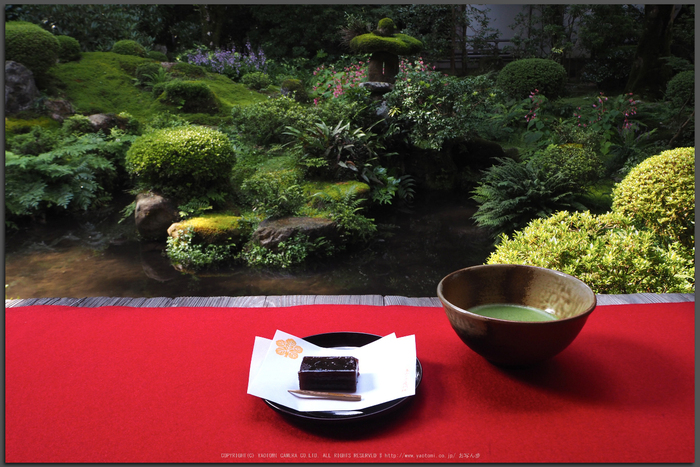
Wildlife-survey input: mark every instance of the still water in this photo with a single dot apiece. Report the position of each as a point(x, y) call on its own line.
point(94, 256)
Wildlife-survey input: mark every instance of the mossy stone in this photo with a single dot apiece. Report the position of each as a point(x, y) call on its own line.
point(398, 44)
point(217, 229)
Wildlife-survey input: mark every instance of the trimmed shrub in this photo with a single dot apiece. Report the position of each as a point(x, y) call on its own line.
point(274, 193)
point(521, 77)
point(257, 80)
point(189, 96)
point(129, 47)
point(606, 252)
point(188, 70)
point(32, 46)
point(659, 194)
point(264, 123)
point(183, 161)
point(681, 89)
point(580, 166)
point(70, 49)
point(294, 89)
point(155, 55)
point(77, 125)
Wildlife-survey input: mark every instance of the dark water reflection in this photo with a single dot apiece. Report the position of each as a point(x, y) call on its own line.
point(96, 256)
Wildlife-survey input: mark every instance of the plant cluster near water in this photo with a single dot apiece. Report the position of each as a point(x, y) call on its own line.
point(645, 244)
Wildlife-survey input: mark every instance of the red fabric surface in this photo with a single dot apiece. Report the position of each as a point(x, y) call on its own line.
point(121, 384)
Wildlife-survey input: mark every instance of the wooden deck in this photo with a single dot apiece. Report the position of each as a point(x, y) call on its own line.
point(261, 301)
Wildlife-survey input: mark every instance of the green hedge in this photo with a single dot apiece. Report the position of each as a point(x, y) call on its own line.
point(681, 89)
point(70, 49)
point(32, 46)
point(659, 194)
point(606, 252)
point(521, 77)
point(183, 161)
point(129, 47)
point(189, 96)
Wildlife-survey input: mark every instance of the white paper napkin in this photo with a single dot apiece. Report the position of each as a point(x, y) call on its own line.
point(387, 370)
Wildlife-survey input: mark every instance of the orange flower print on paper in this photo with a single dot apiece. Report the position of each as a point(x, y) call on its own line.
point(288, 348)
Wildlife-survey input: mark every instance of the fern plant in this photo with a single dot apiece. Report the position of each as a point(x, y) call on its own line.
point(35, 183)
point(77, 175)
point(513, 193)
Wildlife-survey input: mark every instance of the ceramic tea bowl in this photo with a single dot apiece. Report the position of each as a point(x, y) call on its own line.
point(510, 342)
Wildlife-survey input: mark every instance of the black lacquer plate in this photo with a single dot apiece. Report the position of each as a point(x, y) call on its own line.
point(346, 339)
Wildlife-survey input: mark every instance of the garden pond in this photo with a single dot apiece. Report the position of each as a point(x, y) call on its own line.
point(95, 255)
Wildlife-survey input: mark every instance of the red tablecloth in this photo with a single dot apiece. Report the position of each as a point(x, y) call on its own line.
point(121, 384)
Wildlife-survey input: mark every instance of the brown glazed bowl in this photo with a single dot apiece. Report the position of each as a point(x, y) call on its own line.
point(515, 343)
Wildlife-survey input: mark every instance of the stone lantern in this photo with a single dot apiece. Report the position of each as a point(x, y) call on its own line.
point(385, 45)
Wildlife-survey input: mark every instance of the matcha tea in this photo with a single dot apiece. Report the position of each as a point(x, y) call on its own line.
point(512, 312)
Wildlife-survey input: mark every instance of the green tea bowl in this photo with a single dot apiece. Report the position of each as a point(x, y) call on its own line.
point(511, 342)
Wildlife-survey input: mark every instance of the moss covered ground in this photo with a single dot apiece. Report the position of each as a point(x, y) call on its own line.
point(103, 82)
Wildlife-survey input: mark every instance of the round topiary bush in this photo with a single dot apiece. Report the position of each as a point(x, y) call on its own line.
point(681, 89)
point(155, 55)
point(183, 162)
point(128, 47)
point(606, 252)
point(659, 194)
point(70, 49)
point(32, 46)
point(190, 96)
point(256, 80)
point(521, 77)
point(578, 164)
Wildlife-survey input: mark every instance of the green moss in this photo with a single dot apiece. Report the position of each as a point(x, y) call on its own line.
point(155, 55)
point(102, 82)
point(386, 27)
point(399, 44)
point(187, 70)
point(220, 228)
point(17, 126)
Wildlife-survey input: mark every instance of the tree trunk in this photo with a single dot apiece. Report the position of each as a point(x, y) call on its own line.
point(649, 74)
point(212, 18)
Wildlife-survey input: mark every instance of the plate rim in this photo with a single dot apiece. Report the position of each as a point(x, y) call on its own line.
point(390, 405)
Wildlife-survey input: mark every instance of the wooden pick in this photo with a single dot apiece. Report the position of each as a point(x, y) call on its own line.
point(326, 395)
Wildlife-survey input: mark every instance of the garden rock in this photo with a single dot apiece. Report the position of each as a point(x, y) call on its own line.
point(154, 214)
point(272, 232)
point(20, 88)
point(221, 229)
point(59, 108)
point(106, 122)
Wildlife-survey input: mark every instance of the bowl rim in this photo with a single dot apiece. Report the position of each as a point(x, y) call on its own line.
point(554, 322)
